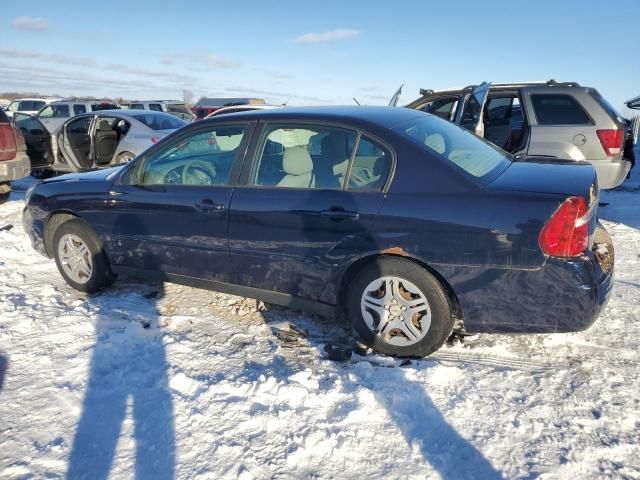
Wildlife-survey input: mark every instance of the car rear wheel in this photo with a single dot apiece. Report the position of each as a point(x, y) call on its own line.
point(124, 157)
point(5, 191)
point(398, 308)
point(80, 257)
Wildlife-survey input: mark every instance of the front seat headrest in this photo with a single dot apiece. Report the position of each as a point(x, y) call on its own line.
point(296, 161)
point(104, 125)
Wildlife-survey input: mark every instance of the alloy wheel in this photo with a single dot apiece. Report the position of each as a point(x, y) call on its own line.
point(75, 258)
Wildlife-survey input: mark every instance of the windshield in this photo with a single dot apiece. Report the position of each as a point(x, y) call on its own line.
point(31, 105)
point(159, 121)
point(461, 148)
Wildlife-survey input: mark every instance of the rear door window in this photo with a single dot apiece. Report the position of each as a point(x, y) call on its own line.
point(303, 156)
point(558, 109)
point(78, 108)
point(156, 107)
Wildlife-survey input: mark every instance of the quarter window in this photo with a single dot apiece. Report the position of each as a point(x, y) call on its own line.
point(558, 110)
point(204, 158)
point(315, 157)
point(371, 167)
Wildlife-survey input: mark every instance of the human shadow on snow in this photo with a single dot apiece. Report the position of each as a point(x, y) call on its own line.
point(128, 369)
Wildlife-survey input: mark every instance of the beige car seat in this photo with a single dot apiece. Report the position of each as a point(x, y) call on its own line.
point(298, 168)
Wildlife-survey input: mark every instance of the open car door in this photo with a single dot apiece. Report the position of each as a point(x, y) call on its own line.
point(75, 142)
point(474, 109)
point(396, 96)
point(37, 139)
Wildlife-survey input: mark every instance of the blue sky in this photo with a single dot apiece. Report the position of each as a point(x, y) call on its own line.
point(313, 52)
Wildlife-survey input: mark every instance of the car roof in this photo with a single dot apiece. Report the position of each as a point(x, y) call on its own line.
point(152, 101)
point(385, 117)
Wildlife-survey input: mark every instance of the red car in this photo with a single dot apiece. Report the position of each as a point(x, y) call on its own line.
point(14, 162)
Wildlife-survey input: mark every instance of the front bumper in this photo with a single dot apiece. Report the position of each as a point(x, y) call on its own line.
point(14, 169)
point(35, 231)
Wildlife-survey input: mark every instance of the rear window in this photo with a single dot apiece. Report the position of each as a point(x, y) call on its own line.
point(159, 121)
point(610, 109)
point(461, 148)
point(559, 109)
point(177, 108)
point(96, 107)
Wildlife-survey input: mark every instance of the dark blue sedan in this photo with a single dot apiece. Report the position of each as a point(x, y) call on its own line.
point(406, 225)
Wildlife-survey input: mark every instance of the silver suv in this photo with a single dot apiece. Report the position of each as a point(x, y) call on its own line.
point(173, 107)
point(550, 119)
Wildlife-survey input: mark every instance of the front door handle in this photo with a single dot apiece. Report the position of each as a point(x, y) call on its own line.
point(209, 206)
point(340, 214)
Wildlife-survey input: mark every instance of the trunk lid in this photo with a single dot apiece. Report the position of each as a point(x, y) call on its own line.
point(541, 175)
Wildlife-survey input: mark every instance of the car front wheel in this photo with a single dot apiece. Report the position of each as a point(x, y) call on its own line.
point(80, 257)
point(399, 308)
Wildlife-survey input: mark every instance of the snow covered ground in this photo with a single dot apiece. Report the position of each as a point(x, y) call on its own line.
point(162, 380)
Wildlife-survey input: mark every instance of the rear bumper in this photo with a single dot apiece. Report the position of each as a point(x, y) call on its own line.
point(15, 169)
point(565, 295)
point(611, 173)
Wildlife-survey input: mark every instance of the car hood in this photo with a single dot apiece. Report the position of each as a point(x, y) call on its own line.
point(97, 175)
point(541, 175)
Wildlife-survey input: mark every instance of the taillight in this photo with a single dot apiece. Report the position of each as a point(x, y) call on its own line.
point(611, 140)
point(155, 139)
point(566, 233)
point(8, 146)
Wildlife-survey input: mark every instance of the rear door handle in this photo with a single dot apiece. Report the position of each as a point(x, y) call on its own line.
point(340, 214)
point(209, 206)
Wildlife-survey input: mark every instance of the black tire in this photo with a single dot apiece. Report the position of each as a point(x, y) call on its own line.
point(41, 173)
point(101, 276)
point(4, 195)
point(123, 157)
point(442, 320)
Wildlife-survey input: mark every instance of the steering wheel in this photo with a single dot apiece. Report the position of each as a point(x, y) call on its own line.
point(203, 173)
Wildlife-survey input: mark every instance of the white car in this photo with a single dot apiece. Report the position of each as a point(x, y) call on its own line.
point(174, 107)
point(93, 139)
point(56, 113)
point(28, 105)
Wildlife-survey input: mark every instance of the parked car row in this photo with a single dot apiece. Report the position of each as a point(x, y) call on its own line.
point(92, 140)
point(406, 225)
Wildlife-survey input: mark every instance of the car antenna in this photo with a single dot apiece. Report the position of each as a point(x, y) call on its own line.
point(285, 103)
point(356, 100)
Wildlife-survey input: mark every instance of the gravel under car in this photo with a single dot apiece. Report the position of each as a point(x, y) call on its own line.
point(406, 225)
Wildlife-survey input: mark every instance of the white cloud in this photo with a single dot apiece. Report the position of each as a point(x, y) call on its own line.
point(31, 24)
point(202, 58)
point(45, 57)
point(330, 36)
